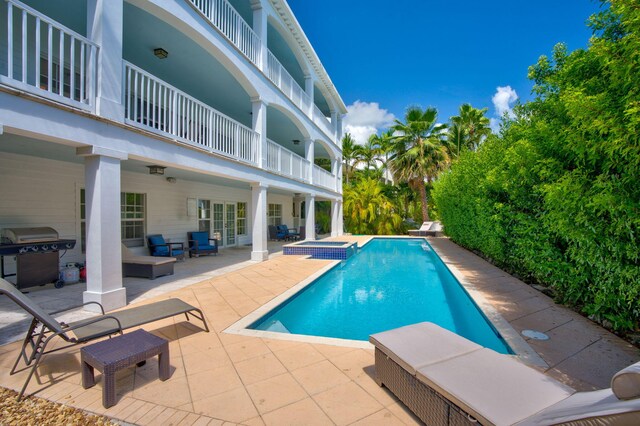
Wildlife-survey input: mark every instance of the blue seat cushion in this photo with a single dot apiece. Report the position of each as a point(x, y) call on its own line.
point(202, 238)
point(205, 247)
point(159, 249)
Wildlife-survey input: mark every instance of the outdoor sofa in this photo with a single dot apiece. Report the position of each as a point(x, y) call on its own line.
point(145, 266)
point(446, 379)
point(44, 327)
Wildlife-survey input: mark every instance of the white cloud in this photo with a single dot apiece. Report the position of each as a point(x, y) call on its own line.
point(364, 119)
point(502, 100)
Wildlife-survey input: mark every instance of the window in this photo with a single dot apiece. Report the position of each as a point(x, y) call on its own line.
point(275, 214)
point(204, 215)
point(132, 219)
point(132, 207)
point(241, 219)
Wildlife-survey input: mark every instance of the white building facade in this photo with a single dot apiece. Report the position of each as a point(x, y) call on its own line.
point(226, 98)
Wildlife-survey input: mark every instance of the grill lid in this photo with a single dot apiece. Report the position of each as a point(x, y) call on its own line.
point(29, 235)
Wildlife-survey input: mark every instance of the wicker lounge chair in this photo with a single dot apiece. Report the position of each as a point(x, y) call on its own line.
point(145, 266)
point(286, 233)
point(44, 327)
point(200, 243)
point(446, 379)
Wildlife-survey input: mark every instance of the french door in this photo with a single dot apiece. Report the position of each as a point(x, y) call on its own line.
point(218, 218)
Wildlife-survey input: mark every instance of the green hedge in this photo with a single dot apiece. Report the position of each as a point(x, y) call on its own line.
point(555, 197)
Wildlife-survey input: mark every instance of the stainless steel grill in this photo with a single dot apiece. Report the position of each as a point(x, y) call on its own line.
point(37, 254)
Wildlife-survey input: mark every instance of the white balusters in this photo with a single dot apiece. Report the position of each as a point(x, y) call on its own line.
point(46, 58)
point(155, 105)
point(282, 161)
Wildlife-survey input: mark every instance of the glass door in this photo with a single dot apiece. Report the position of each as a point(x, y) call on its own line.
point(204, 215)
point(230, 225)
point(218, 222)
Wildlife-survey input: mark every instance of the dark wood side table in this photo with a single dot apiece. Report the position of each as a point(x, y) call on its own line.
point(112, 355)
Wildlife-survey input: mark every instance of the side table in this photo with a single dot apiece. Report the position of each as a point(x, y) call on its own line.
point(112, 355)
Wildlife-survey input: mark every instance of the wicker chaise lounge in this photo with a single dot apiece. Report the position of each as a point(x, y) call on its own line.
point(145, 266)
point(446, 379)
point(44, 327)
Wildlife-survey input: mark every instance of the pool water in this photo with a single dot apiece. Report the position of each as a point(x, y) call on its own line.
point(389, 283)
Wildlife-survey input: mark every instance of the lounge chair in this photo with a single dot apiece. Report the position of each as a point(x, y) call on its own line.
point(446, 379)
point(159, 247)
point(422, 231)
point(44, 327)
point(145, 266)
point(273, 233)
point(200, 243)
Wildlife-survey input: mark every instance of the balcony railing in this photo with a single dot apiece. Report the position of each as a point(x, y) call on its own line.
point(282, 161)
point(321, 120)
point(152, 104)
point(43, 57)
point(225, 18)
point(281, 78)
point(222, 15)
point(323, 178)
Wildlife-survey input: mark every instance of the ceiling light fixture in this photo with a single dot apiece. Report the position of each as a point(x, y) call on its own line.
point(156, 170)
point(160, 53)
point(296, 141)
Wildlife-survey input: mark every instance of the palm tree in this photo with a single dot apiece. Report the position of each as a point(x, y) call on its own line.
point(369, 153)
point(368, 210)
point(469, 128)
point(349, 154)
point(386, 143)
point(420, 151)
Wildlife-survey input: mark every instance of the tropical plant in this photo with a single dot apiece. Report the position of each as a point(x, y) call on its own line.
point(420, 151)
point(468, 129)
point(367, 209)
point(368, 154)
point(555, 196)
point(349, 155)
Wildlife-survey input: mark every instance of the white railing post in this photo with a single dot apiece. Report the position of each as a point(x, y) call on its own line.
point(10, 40)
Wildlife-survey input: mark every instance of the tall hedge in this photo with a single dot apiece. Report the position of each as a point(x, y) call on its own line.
point(555, 196)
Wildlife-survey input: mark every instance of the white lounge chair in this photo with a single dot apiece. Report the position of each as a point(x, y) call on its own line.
point(422, 231)
point(446, 379)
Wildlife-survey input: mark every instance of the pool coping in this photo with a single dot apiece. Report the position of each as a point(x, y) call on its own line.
point(523, 351)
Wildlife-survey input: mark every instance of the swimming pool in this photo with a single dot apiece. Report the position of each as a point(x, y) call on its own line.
point(389, 284)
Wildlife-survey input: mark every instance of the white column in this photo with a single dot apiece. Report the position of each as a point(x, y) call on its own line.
point(259, 124)
point(103, 250)
point(334, 125)
point(340, 218)
point(309, 90)
point(310, 155)
point(335, 211)
point(310, 221)
point(260, 28)
point(339, 130)
point(339, 176)
point(335, 166)
point(259, 251)
point(104, 27)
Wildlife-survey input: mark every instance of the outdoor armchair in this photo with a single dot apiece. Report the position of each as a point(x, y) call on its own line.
point(44, 327)
point(200, 243)
point(159, 247)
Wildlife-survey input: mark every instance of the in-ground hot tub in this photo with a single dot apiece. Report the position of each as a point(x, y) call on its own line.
point(332, 250)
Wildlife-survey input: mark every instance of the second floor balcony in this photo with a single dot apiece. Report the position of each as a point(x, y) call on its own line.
point(194, 102)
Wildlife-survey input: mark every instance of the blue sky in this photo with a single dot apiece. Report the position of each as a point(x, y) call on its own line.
point(435, 52)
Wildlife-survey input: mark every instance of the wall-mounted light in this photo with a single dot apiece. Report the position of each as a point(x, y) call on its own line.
point(160, 53)
point(171, 179)
point(296, 141)
point(156, 170)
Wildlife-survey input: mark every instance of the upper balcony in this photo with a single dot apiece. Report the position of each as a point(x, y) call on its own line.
point(174, 97)
point(270, 59)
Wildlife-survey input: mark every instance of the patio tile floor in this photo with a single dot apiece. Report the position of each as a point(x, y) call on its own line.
point(220, 378)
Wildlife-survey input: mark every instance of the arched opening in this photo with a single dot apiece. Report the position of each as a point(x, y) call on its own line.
point(188, 67)
point(284, 50)
point(285, 130)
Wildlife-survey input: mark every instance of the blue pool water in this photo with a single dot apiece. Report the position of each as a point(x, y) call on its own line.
point(389, 283)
